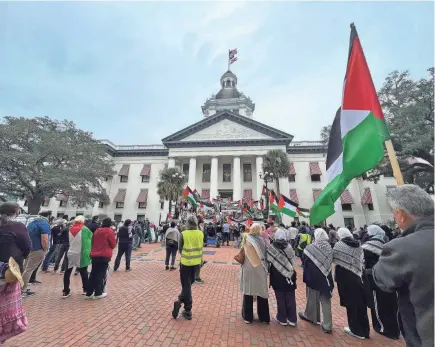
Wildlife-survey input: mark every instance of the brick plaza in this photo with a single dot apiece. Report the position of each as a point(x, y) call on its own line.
point(137, 311)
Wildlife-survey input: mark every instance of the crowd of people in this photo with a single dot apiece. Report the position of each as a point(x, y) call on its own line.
point(389, 273)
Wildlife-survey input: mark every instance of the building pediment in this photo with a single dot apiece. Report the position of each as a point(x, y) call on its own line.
point(227, 128)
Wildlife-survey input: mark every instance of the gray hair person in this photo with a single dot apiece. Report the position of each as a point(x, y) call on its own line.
point(406, 264)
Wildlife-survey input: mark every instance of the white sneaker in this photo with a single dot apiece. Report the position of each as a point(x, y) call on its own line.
point(89, 297)
point(96, 297)
point(282, 323)
point(350, 333)
point(291, 323)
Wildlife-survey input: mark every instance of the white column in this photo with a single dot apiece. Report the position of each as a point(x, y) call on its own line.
point(260, 182)
point(192, 173)
point(171, 162)
point(237, 187)
point(214, 178)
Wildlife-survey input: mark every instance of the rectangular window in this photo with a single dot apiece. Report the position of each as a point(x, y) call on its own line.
point(60, 214)
point(370, 207)
point(226, 173)
point(247, 173)
point(206, 170)
point(106, 179)
point(145, 179)
point(346, 207)
point(292, 178)
point(118, 218)
point(315, 178)
point(62, 203)
point(123, 178)
point(349, 223)
point(46, 202)
point(26, 203)
point(142, 205)
point(186, 169)
point(120, 205)
point(162, 205)
point(140, 217)
point(296, 219)
point(100, 205)
point(79, 214)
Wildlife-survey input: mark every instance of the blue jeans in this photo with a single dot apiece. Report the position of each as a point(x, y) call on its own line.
point(50, 254)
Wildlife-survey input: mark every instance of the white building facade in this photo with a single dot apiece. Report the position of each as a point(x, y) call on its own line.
point(222, 154)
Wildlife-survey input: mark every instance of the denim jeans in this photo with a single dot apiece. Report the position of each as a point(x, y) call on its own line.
point(50, 254)
point(63, 250)
point(171, 250)
point(136, 241)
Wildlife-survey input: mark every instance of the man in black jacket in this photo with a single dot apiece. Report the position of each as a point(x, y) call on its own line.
point(93, 225)
point(406, 264)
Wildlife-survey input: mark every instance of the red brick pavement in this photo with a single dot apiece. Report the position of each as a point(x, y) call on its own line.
point(137, 311)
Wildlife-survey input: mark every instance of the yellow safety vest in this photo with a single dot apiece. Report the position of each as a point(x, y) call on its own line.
point(193, 241)
point(304, 238)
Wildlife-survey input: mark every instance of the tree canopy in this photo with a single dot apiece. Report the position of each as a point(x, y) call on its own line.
point(170, 185)
point(276, 161)
point(408, 107)
point(41, 158)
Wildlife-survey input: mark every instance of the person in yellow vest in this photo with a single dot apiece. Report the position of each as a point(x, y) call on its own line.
point(190, 247)
point(303, 239)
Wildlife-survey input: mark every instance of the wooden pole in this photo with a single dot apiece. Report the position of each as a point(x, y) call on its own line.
point(394, 163)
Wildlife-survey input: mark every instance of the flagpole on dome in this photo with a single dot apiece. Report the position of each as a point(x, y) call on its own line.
point(229, 59)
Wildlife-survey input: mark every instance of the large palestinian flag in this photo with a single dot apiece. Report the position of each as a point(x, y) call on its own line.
point(287, 206)
point(190, 196)
point(356, 142)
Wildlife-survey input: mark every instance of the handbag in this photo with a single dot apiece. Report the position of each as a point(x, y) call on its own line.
point(240, 258)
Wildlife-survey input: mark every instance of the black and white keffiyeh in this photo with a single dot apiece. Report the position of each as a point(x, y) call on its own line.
point(320, 252)
point(282, 259)
point(350, 258)
point(259, 244)
point(374, 245)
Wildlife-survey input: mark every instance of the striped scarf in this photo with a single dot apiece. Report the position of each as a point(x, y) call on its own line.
point(282, 259)
point(350, 258)
point(320, 253)
point(374, 245)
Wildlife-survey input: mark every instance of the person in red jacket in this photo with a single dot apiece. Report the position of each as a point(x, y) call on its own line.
point(103, 243)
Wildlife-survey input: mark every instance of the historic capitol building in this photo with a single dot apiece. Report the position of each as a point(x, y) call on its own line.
point(223, 154)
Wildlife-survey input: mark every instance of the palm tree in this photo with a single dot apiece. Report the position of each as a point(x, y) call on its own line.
point(275, 162)
point(171, 184)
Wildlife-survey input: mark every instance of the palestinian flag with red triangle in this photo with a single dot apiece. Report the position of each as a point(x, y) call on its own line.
point(358, 133)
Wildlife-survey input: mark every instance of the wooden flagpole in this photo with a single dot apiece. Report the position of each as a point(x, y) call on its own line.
point(394, 163)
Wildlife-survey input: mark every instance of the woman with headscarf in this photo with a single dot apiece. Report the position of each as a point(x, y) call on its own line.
point(317, 263)
point(383, 305)
point(281, 260)
point(349, 259)
point(253, 277)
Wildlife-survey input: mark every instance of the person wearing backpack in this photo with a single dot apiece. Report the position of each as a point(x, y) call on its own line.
point(172, 239)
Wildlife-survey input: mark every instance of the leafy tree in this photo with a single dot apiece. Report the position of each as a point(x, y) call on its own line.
point(324, 134)
point(42, 157)
point(170, 185)
point(408, 107)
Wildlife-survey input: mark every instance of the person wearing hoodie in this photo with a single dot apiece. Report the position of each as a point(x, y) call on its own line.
point(78, 256)
point(39, 232)
point(93, 225)
point(281, 259)
point(349, 259)
point(103, 243)
point(406, 263)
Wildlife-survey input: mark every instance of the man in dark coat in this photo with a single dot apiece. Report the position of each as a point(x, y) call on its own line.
point(406, 264)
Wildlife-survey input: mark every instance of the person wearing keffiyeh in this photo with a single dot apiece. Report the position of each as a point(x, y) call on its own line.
point(349, 259)
point(281, 259)
point(317, 263)
point(383, 305)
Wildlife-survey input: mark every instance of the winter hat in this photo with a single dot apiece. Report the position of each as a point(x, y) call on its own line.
point(192, 223)
point(79, 219)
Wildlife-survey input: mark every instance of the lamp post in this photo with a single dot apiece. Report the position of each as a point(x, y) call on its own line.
point(266, 177)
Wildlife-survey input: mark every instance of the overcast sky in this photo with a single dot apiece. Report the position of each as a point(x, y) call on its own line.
point(134, 73)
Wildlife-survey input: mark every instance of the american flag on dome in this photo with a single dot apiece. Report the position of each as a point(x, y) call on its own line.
point(232, 56)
